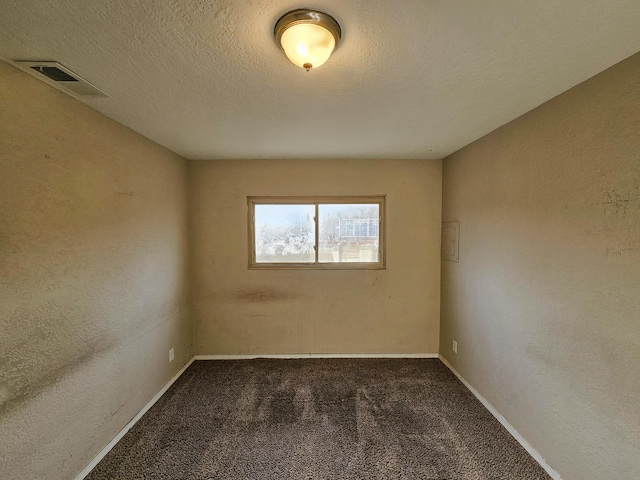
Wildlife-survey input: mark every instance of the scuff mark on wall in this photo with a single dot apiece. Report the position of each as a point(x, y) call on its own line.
point(618, 203)
point(622, 251)
point(21, 384)
point(615, 226)
point(261, 295)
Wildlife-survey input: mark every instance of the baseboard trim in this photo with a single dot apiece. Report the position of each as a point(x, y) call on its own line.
point(317, 355)
point(128, 426)
point(521, 440)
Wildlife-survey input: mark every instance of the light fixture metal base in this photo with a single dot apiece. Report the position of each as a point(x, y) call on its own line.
point(305, 15)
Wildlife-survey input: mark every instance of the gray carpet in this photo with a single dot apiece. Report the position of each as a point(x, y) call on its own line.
point(318, 419)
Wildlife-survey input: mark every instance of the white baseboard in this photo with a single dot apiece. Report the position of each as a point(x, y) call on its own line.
point(128, 426)
point(521, 440)
point(318, 355)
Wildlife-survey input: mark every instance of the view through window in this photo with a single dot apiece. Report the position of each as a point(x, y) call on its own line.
point(316, 232)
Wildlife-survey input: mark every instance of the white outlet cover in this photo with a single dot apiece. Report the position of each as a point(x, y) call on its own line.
point(171, 355)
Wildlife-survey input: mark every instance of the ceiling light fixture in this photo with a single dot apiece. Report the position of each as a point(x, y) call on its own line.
point(307, 37)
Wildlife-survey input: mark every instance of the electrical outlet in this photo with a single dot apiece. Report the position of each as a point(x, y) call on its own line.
point(171, 355)
point(454, 346)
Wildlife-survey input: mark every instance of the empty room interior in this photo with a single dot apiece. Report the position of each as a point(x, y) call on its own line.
point(407, 248)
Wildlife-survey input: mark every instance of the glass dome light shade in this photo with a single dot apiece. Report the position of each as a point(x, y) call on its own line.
point(307, 44)
point(307, 37)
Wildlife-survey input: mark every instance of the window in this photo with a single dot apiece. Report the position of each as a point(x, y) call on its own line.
point(316, 232)
point(358, 227)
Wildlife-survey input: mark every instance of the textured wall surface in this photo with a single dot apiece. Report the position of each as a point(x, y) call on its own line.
point(545, 301)
point(92, 277)
point(237, 310)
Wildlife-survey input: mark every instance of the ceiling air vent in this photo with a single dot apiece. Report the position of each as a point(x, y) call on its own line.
point(60, 76)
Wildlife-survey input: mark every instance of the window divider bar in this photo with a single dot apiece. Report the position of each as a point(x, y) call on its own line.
point(317, 222)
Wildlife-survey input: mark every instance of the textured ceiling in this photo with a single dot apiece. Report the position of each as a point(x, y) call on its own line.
point(412, 78)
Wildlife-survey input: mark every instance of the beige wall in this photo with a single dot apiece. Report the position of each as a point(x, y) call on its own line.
point(241, 311)
point(92, 277)
point(545, 301)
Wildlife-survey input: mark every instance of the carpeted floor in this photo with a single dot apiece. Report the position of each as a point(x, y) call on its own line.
point(318, 419)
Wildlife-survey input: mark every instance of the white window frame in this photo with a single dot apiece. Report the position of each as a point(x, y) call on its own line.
point(380, 200)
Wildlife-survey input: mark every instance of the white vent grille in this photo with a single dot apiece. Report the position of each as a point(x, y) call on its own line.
point(60, 76)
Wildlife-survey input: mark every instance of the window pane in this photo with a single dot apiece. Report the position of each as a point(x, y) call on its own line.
point(348, 233)
point(284, 233)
